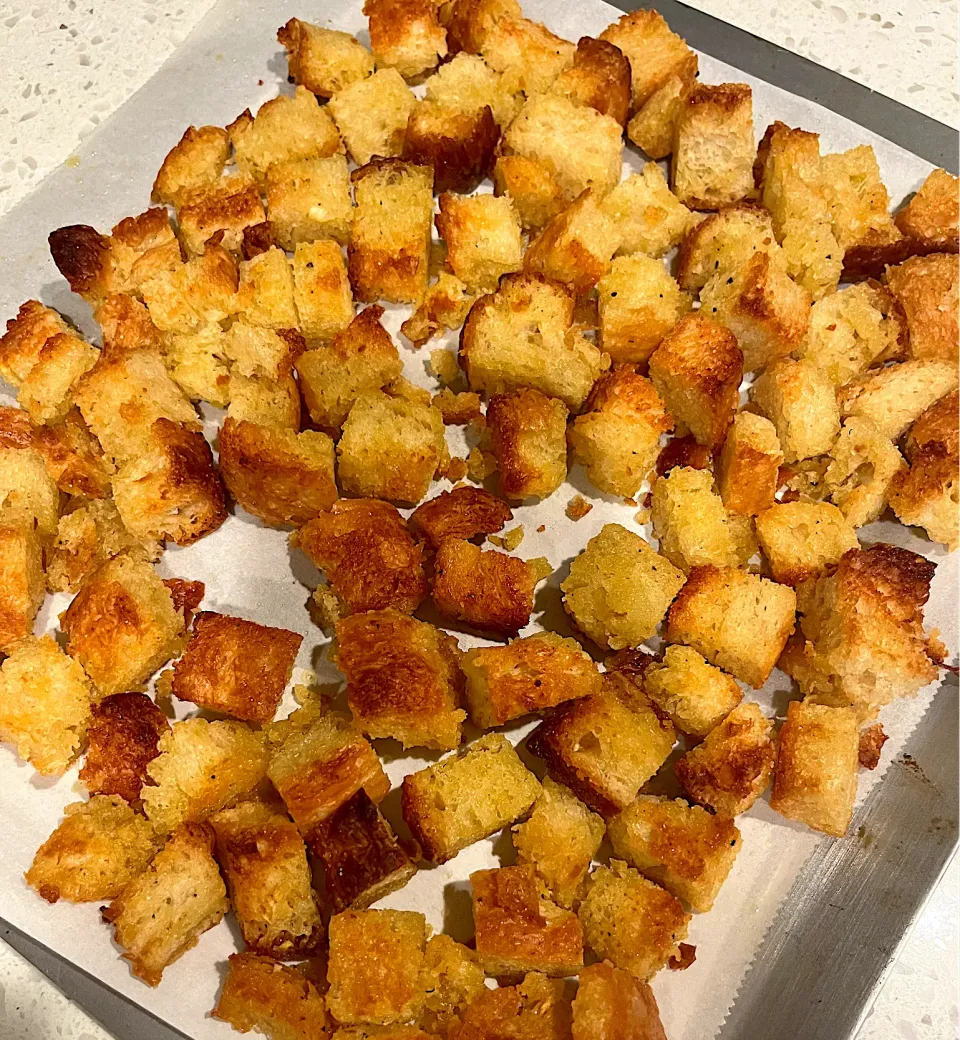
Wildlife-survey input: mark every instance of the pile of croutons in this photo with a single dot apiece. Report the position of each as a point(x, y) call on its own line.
point(578, 344)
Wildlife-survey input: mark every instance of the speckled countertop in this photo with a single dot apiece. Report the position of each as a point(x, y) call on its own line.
point(69, 63)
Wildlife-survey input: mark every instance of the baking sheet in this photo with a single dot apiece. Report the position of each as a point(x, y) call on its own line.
point(250, 571)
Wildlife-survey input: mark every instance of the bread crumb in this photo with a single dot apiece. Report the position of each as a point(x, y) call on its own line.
point(629, 501)
point(683, 960)
point(455, 470)
point(577, 508)
point(510, 540)
point(642, 516)
point(443, 364)
point(457, 409)
point(480, 465)
point(872, 740)
point(329, 608)
point(541, 528)
point(541, 567)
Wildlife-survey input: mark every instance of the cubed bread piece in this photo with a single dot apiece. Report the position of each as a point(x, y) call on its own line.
point(862, 465)
point(802, 539)
point(264, 864)
point(529, 675)
point(800, 402)
point(580, 147)
point(606, 746)
point(451, 979)
point(523, 335)
point(467, 796)
point(266, 294)
point(482, 235)
point(197, 363)
point(309, 199)
point(45, 702)
point(531, 186)
point(24, 338)
point(526, 53)
point(21, 582)
point(467, 83)
point(458, 144)
point(649, 218)
point(362, 859)
point(933, 213)
point(374, 965)
point(537, 1007)
point(47, 391)
point(654, 52)
point(861, 640)
point(723, 243)
point(528, 437)
point(859, 202)
point(324, 61)
point(406, 35)
point(697, 370)
point(815, 780)
point(123, 738)
point(613, 1005)
point(122, 625)
point(29, 497)
point(86, 536)
point(631, 922)
point(371, 115)
point(559, 840)
point(653, 127)
point(464, 512)
point(599, 78)
point(619, 588)
point(275, 999)
point(737, 621)
point(321, 289)
point(445, 305)
point(125, 324)
point(518, 929)
point(224, 209)
point(195, 161)
point(731, 768)
point(73, 456)
point(266, 402)
point(163, 912)
point(639, 304)
point(694, 695)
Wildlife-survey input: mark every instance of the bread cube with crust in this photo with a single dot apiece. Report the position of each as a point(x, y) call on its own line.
point(445, 305)
point(163, 912)
point(362, 859)
point(862, 465)
point(650, 219)
point(629, 921)
point(266, 295)
point(467, 796)
point(482, 235)
point(800, 402)
point(309, 199)
point(225, 209)
point(528, 437)
point(598, 78)
point(559, 840)
point(406, 35)
point(537, 1007)
point(195, 162)
point(45, 701)
point(189, 296)
point(458, 144)
point(25, 336)
point(259, 351)
point(926, 288)
point(724, 243)
point(606, 746)
point(324, 61)
point(98, 848)
point(731, 768)
point(452, 979)
point(859, 201)
point(266, 402)
point(933, 213)
point(371, 115)
point(802, 539)
point(619, 588)
point(47, 391)
point(197, 363)
point(519, 929)
point(23, 587)
point(527, 54)
point(694, 695)
point(531, 186)
point(29, 497)
point(464, 512)
point(125, 324)
point(611, 1004)
point(72, 455)
point(815, 780)
point(895, 396)
point(275, 999)
point(737, 621)
point(321, 289)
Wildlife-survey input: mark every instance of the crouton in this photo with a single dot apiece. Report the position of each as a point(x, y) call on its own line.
point(724, 243)
point(266, 402)
point(468, 84)
point(932, 215)
point(537, 1007)
point(86, 536)
point(619, 588)
point(259, 349)
point(937, 425)
point(531, 186)
point(25, 335)
point(125, 324)
point(482, 235)
point(518, 929)
point(522, 335)
point(815, 780)
point(802, 539)
point(697, 370)
point(894, 397)
point(611, 1004)
point(650, 219)
point(639, 304)
point(578, 145)
point(526, 53)
point(655, 53)
point(163, 912)
point(682, 451)
point(527, 433)
point(694, 695)
point(559, 840)
point(445, 305)
point(274, 999)
point(862, 465)
point(98, 848)
point(467, 796)
point(464, 512)
point(631, 922)
point(458, 144)
point(406, 36)
point(372, 114)
point(458, 409)
point(606, 746)
point(194, 294)
point(47, 390)
point(309, 199)
point(29, 497)
point(223, 209)
point(122, 625)
point(599, 78)
point(362, 859)
point(122, 740)
point(653, 127)
point(859, 202)
point(197, 363)
point(22, 584)
point(374, 965)
point(800, 402)
point(324, 61)
point(321, 289)
point(266, 295)
point(44, 703)
point(469, 22)
point(196, 161)
point(452, 979)
point(73, 456)
point(732, 767)
point(737, 621)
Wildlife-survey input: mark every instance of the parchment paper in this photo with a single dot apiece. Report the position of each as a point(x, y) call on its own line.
point(232, 61)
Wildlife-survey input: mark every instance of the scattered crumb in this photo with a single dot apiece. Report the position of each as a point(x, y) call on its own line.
point(457, 409)
point(642, 516)
point(541, 528)
point(629, 501)
point(647, 500)
point(541, 566)
point(509, 540)
point(329, 609)
point(686, 957)
point(455, 470)
point(402, 387)
point(480, 465)
point(163, 691)
point(872, 739)
point(443, 364)
point(259, 82)
point(577, 508)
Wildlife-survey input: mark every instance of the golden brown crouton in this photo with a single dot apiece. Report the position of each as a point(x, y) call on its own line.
point(653, 127)
point(613, 1005)
point(452, 979)
point(617, 439)
point(445, 305)
point(162, 913)
point(630, 921)
point(195, 161)
point(467, 796)
point(650, 219)
point(815, 780)
point(464, 512)
point(723, 243)
point(468, 84)
point(323, 60)
point(518, 929)
point(21, 582)
point(372, 114)
point(800, 402)
point(188, 296)
point(406, 35)
point(737, 621)
point(73, 456)
point(266, 294)
point(321, 289)
point(271, 998)
point(122, 740)
point(559, 840)
point(458, 144)
point(88, 534)
point(802, 539)
point(527, 433)
point(526, 53)
point(197, 363)
point(362, 859)
point(224, 209)
point(531, 186)
point(599, 77)
point(732, 767)
point(859, 202)
point(374, 965)
point(933, 214)
point(862, 465)
point(537, 1007)
point(125, 324)
point(694, 695)
point(309, 199)
point(26, 334)
point(469, 22)
point(47, 391)
point(655, 53)
point(482, 235)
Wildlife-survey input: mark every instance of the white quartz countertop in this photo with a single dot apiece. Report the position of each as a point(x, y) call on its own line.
point(68, 64)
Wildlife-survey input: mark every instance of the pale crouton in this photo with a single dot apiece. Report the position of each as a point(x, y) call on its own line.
point(894, 397)
point(86, 536)
point(195, 161)
point(723, 243)
point(29, 497)
point(445, 305)
point(266, 402)
point(223, 209)
point(258, 349)
point(732, 767)
point(321, 289)
point(467, 796)
point(611, 1004)
point(599, 78)
point(324, 61)
point(452, 979)
point(458, 144)
point(265, 297)
point(371, 115)
point(526, 53)
point(631, 922)
point(518, 929)
point(162, 913)
point(528, 437)
point(649, 218)
point(468, 84)
point(406, 35)
point(125, 324)
point(21, 581)
point(559, 840)
point(801, 539)
point(926, 288)
point(815, 780)
point(464, 512)
point(861, 467)
point(531, 186)
point(482, 235)
point(45, 701)
point(737, 621)
point(655, 53)
point(694, 695)
point(24, 338)
point(653, 127)
point(933, 214)
point(196, 362)
point(47, 391)
point(800, 402)
point(309, 199)
point(859, 202)
point(194, 294)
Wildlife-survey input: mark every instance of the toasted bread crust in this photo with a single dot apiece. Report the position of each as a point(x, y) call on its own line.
point(464, 512)
point(599, 77)
point(459, 145)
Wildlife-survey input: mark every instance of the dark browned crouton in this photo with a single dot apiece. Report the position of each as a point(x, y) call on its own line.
point(458, 145)
point(463, 512)
point(599, 77)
